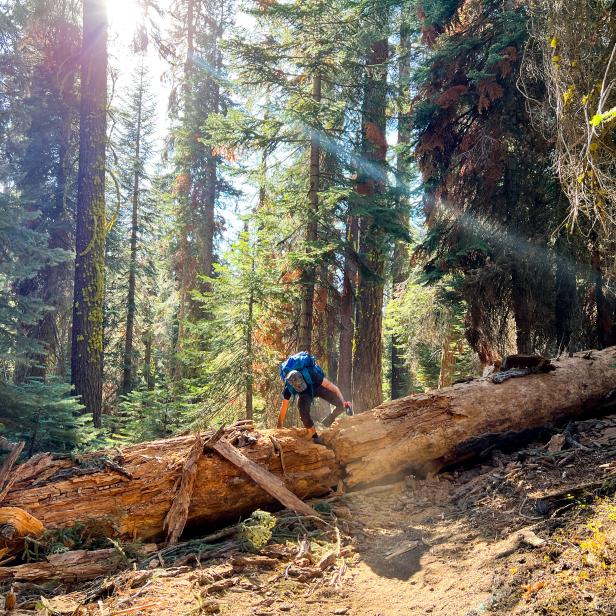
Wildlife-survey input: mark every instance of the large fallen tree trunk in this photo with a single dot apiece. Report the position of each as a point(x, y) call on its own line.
point(425, 432)
point(134, 489)
point(131, 490)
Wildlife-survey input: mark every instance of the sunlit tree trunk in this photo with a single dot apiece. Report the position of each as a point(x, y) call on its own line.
point(347, 309)
point(87, 334)
point(448, 361)
point(399, 372)
point(367, 347)
point(309, 273)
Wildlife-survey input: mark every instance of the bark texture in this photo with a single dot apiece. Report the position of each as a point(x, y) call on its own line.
point(15, 525)
point(367, 347)
point(135, 491)
point(309, 274)
point(68, 567)
point(87, 332)
point(424, 432)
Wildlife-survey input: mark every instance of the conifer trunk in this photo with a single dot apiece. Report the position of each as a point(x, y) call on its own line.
point(347, 309)
point(87, 333)
point(147, 357)
point(520, 299)
point(309, 273)
point(185, 256)
point(368, 352)
point(566, 298)
point(127, 375)
point(448, 361)
point(399, 380)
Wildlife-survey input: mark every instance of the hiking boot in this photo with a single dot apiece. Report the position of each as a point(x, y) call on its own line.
point(317, 439)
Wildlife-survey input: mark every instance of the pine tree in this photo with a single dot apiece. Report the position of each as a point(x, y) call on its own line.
point(41, 147)
point(41, 413)
point(91, 222)
point(371, 186)
point(489, 191)
point(198, 183)
point(136, 146)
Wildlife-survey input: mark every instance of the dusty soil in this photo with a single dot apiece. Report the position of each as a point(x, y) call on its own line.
point(532, 531)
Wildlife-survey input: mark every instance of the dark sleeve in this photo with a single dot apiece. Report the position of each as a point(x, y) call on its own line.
point(286, 394)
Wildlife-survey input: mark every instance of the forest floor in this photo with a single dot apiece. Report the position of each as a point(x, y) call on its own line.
point(532, 531)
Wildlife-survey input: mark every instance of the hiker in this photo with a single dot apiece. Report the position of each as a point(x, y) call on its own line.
point(303, 377)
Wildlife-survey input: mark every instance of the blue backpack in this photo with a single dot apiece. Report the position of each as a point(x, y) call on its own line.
point(306, 364)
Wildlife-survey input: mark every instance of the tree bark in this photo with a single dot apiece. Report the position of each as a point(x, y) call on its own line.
point(522, 314)
point(424, 432)
point(87, 333)
point(604, 318)
point(347, 310)
point(367, 347)
point(448, 361)
point(309, 273)
point(134, 492)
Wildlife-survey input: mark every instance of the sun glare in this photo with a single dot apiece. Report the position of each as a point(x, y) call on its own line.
point(123, 15)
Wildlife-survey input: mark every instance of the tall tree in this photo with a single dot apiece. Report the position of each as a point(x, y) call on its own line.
point(40, 149)
point(399, 383)
point(137, 149)
point(91, 222)
point(198, 182)
point(309, 273)
point(371, 186)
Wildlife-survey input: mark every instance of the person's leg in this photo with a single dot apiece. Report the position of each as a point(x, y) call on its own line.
point(332, 398)
point(304, 402)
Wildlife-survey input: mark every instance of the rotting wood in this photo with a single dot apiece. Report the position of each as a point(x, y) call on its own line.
point(6, 479)
point(137, 507)
point(175, 520)
point(74, 566)
point(266, 480)
point(15, 525)
point(215, 437)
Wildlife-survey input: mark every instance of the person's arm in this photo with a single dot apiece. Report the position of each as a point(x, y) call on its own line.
point(327, 384)
point(284, 407)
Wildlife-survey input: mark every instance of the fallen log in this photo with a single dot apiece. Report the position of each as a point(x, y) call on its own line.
point(425, 432)
point(15, 525)
point(134, 489)
point(68, 567)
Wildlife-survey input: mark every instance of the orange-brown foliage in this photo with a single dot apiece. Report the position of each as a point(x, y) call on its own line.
point(226, 151)
point(181, 184)
point(431, 142)
point(451, 96)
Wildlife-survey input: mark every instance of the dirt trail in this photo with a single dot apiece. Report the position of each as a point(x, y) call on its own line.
point(452, 544)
